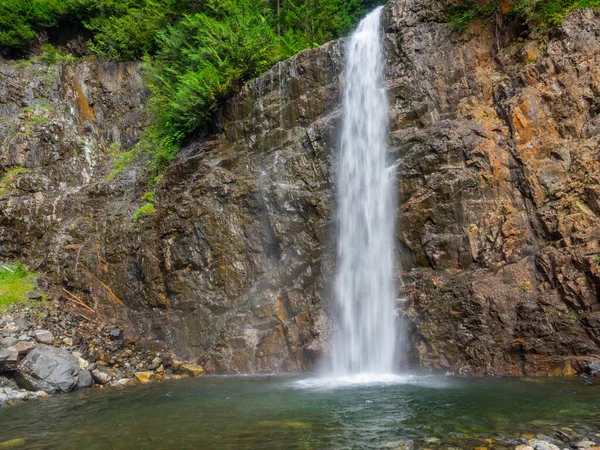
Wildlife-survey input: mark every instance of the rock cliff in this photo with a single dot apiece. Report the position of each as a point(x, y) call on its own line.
point(495, 134)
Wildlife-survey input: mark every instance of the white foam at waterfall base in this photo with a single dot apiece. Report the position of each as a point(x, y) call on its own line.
point(356, 380)
point(364, 345)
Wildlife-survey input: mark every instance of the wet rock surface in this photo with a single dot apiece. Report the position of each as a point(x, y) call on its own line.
point(496, 144)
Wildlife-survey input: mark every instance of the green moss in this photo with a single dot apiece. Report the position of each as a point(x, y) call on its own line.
point(15, 281)
point(7, 179)
point(144, 210)
point(122, 161)
point(597, 259)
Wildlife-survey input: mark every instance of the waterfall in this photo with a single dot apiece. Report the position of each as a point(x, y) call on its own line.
point(365, 339)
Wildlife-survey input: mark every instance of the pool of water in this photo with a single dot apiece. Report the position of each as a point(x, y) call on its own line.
point(284, 412)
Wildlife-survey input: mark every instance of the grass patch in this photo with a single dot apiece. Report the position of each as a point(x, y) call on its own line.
point(15, 281)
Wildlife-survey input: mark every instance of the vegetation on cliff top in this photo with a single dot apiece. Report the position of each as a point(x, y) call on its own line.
point(540, 13)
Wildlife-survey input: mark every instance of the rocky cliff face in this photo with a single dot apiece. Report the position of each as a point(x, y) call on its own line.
point(496, 140)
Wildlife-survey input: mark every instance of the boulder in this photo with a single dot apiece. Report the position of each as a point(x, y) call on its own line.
point(8, 341)
point(116, 334)
point(193, 370)
point(23, 347)
point(8, 359)
point(145, 377)
point(31, 295)
point(538, 444)
point(43, 336)
point(22, 324)
point(101, 376)
point(85, 380)
point(49, 369)
point(592, 369)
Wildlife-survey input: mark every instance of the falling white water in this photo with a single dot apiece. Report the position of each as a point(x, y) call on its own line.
point(365, 340)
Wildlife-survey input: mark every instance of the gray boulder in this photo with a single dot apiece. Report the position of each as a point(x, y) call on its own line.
point(48, 369)
point(538, 444)
point(8, 359)
point(8, 341)
point(23, 347)
point(43, 336)
point(85, 380)
point(22, 324)
point(101, 376)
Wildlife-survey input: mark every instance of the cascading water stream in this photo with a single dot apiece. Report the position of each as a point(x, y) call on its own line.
point(365, 340)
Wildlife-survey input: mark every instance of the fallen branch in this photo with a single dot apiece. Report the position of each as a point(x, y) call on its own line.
point(8, 268)
point(108, 289)
point(77, 300)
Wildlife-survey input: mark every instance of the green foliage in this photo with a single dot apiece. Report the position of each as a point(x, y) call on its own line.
point(51, 55)
point(125, 30)
point(15, 281)
point(148, 197)
point(541, 13)
point(21, 20)
point(597, 259)
point(145, 209)
point(203, 60)
point(307, 23)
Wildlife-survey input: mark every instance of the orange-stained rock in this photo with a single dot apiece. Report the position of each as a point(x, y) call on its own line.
point(192, 370)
